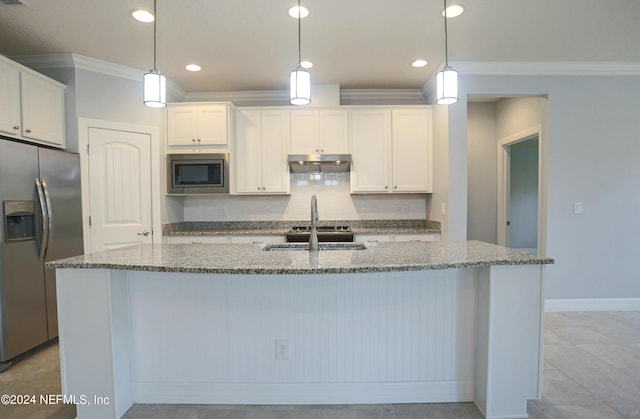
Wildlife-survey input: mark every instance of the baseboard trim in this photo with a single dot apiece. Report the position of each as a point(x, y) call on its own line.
point(592, 304)
point(304, 393)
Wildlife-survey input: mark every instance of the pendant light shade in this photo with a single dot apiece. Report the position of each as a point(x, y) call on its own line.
point(300, 79)
point(447, 86)
point(155, 84)
point(300, 87)
point(447, 78)
point(155, 89)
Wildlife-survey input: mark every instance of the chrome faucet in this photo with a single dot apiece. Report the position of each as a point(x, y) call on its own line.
point(313, 239)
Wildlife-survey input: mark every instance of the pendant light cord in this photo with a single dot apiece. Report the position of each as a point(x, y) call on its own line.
point(446, 47)
point(155, 33)
point(299, 36)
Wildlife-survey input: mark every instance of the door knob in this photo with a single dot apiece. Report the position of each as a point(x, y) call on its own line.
point(144, 233)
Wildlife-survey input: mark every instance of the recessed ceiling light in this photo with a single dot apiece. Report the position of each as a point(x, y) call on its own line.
point(302, 12)
point(306, 64)
point(419, 63)
point(192, 67)
point(143, 16)
point(453, 11)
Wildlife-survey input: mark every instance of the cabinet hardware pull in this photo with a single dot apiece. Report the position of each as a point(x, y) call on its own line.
point(16, 127)
point(144, 233)
point(28, 130)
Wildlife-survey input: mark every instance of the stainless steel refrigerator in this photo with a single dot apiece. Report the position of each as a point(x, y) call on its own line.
point(41, 221)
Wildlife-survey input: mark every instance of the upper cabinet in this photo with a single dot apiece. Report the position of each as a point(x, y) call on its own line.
point(391, 150)
point(192, 127)
point(261, 149)
point(371, 149)
point(324, 131)
point(411, 150)
point(31, 106)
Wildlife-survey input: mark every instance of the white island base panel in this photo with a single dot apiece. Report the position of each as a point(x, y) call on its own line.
point(472, 334)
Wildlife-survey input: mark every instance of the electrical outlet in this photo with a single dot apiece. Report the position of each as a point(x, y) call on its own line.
point(282, 349)
point(402, 209)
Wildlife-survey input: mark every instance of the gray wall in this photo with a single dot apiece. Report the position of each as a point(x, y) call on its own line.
point(592, 154)
point(482, 166)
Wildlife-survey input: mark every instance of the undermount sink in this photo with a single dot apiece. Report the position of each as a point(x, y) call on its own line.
point(321, 246)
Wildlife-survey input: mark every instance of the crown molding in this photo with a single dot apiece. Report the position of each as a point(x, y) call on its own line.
point(95, 65)
point(547, 68)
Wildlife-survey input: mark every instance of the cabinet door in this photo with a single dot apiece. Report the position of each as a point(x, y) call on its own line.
point(304, 132)
point(211, 125)
point(247, 159)
point(411, 150)
point(42, 110)
point(334, 131)
point(275, 148)
point(180, 126)
point(9, 99)
point(370, 145)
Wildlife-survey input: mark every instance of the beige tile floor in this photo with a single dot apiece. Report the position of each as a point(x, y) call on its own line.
point(592, 370)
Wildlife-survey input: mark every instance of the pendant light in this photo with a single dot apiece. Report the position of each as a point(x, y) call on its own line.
point(447, 78)
point(300, 79)
point(155, 84)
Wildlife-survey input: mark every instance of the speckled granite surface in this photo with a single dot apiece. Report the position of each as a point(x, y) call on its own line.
point(277, 228)
point(251, 259)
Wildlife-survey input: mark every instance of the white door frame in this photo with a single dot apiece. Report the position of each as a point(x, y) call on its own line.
point(503, 185)
point(84, 124)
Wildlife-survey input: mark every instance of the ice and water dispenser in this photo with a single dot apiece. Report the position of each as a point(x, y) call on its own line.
point(19, 220)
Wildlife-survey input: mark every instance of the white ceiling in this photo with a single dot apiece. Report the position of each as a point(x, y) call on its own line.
point(248, 45)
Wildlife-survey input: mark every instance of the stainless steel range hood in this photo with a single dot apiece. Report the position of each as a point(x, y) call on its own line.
point(319, 163)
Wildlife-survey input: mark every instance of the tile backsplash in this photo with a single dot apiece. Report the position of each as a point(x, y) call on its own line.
point(334, 203)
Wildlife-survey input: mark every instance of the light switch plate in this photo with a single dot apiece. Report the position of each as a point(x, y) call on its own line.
point(577, 207)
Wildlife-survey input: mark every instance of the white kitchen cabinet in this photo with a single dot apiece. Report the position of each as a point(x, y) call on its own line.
point(261, 149)
point(9, 100)
point(381, 238)
point(197, 125)
point(32, 105)
point(371, 148)
point(406, 237)
point(428, 237)
point(320, 131)
point(411, 150)
point(391, 150)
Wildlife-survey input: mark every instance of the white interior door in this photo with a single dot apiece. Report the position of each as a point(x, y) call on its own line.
point(119, 188)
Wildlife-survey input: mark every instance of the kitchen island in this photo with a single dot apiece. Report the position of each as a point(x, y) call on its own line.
point(235, 324)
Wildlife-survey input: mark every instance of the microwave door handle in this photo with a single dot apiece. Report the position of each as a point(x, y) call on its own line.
point(44, 238)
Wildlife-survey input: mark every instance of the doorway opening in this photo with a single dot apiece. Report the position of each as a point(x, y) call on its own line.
point(519, 190)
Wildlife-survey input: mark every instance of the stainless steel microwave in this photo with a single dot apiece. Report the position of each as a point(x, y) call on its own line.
point(189, 174)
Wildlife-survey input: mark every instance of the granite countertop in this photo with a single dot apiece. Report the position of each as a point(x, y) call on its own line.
point(280, 228)
point(251, 259)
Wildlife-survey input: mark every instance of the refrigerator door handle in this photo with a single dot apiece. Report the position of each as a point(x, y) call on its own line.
point(45, 218)
point(49, 217)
